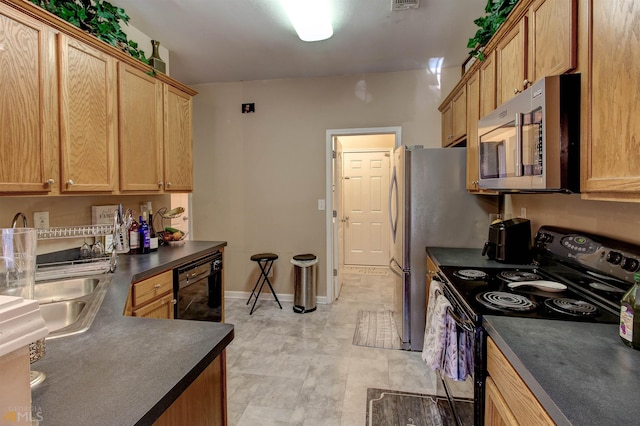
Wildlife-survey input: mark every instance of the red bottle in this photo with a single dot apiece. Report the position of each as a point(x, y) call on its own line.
point(134, 237)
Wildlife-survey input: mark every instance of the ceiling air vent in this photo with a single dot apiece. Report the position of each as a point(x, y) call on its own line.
point(404, 4)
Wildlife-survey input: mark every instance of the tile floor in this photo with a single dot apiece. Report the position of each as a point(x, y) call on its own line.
point(285, 368)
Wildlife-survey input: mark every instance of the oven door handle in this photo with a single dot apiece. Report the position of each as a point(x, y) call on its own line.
point(465, 325)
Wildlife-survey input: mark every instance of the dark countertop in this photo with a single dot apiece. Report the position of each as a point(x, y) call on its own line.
point(581, 373)
point(126, 370)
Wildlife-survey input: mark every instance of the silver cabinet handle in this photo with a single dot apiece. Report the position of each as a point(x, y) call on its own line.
point(70, 182)
point(157, 286)
point(50, 182)
point(160, 183)
point(174, 301)
point(168, 184)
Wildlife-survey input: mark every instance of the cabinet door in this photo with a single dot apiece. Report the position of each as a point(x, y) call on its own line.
point(611, 153)
point(28, 127)
point(161, 308)
point(140, 130)
point(88, 122)
point(447, 125)
point(459, 114)
point(488, 85)
point(496, 410)
point(511, 56)
point(473, 115)
point(517, 396)
point(178, 140)
point(552, 37)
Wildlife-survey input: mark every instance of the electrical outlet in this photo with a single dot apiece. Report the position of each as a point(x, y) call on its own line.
point(523, 212)
point(41, 220)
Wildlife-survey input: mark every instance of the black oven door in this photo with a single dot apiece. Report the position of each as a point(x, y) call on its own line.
point(465, 396)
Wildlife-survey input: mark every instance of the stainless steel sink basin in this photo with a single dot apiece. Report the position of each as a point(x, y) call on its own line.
point(61, 314)
point(56, 291)
point(69, 306)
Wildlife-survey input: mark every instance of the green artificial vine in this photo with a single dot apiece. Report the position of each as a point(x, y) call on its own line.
point(97, 17)
point(497, 12)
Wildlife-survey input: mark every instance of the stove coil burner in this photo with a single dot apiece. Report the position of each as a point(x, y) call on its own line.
point(470, 274)
point(502, 301)
point(577, 308)
point(512, 276)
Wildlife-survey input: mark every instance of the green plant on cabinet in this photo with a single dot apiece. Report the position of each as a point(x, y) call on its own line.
point(497, 12)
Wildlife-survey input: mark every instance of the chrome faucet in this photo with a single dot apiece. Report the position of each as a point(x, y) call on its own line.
point(15, 220)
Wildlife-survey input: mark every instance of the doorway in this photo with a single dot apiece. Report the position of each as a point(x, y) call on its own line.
point(362, 145)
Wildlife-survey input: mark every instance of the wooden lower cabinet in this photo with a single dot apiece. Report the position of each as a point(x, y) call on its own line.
point(508, 400)
point(152, 298)
point(204, 402)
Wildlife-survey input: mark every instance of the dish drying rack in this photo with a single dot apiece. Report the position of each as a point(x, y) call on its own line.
point(76, 267)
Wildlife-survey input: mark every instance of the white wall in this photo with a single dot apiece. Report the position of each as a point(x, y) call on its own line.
point(257, 177)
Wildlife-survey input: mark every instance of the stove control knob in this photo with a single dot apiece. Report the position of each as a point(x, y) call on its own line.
point(614, 257)
point(630, 264)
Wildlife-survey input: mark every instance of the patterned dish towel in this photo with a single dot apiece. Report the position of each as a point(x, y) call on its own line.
point(446, 347)
point(435, 328)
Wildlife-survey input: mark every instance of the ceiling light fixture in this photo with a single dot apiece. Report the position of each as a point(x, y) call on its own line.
point(310, 18)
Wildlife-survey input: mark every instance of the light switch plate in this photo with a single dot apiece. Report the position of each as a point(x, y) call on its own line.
point(41, 220)
point(321, 205)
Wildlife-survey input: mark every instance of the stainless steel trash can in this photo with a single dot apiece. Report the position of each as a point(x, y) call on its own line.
point(304, 290)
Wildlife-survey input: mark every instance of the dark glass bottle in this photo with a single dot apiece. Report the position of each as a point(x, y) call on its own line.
point(153, 237)
point(134, 237)
point(630, 315)
point(144, 235)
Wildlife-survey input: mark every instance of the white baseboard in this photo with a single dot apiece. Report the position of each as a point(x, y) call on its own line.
point(282, 297)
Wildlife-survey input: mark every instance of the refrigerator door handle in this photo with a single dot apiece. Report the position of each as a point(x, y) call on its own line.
point(395, 267)
point(393, 221)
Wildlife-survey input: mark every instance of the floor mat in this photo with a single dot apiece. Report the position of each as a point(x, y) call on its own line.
point(376, 329)
point(365, 270)
point(388, 407)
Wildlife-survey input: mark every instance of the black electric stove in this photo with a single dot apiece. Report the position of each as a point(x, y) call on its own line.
point(595, 270)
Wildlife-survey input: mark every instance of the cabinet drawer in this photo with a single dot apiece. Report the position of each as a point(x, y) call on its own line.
point(149, 289)
point(515, 392)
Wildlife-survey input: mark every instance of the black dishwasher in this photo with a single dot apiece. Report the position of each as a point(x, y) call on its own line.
point(198, 289)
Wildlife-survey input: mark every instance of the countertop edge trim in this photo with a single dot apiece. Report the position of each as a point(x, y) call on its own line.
point(545, 400)
point(157, 410)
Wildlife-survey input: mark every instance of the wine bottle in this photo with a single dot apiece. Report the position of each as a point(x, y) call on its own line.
point(134, 237)
point(144, 235)
point(630, 315)
point(153, 237)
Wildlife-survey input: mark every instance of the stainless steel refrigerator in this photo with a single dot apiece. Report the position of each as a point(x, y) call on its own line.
point(429, 206)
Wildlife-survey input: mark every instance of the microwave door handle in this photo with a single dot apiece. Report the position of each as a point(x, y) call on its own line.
point(518, 171)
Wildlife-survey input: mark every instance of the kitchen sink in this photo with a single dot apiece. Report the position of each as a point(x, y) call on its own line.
point(69, 306)
point(59, 315)
point(56, 291)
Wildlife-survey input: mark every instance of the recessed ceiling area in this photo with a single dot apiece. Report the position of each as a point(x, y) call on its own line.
point(214, 41)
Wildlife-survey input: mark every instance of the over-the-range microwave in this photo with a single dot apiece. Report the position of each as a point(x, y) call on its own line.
point(532, 142)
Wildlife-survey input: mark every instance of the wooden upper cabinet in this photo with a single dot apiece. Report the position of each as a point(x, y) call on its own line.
point(552, 37)
point(511, 57)
point(459, 114)
point(610, 126)
point(454, 117)
point(28, 124)
point(140, 130)
point(447, 125)
point(178, 140)
point(473, 115)
point(488, 85)
point(88, 121)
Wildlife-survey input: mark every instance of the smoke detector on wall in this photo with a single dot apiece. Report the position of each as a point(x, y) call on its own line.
point(404, 4)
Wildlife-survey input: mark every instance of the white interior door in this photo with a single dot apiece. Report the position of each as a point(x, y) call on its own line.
point(366, 212)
